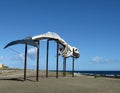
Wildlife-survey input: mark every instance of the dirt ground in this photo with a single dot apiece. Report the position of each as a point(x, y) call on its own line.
point(12, 82)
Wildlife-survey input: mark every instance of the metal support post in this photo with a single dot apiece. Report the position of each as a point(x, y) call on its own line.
point(57, 60)
point(64, 66)
point(47, 58)
point(73, 64)
point(37, 67)
point(25, 62)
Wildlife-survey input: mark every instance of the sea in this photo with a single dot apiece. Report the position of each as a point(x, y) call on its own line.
point(115, 73)
point(89, 72)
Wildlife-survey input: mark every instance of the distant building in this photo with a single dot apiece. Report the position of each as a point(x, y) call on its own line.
point(1, 65)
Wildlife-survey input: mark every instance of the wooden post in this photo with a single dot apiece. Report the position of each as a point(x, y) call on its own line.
point(73, 64)
point(57, 60)
point(47, 58)
point(64, 66)
point(25, 62)
point(37, 67)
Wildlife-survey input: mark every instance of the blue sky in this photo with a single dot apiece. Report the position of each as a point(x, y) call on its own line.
point(93, 26)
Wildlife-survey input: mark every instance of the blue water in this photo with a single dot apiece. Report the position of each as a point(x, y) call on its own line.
point(98, 72)
point(117, 73)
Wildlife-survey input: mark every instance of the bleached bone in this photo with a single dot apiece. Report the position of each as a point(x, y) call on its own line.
point(65, 49)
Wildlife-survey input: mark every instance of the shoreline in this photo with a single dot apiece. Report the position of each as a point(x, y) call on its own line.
point(5, 72)
point(13, 82)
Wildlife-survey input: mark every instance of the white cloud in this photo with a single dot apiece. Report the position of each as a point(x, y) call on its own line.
point(113, 60)
point(98, 59)
point(19, 58)
point(32, 53)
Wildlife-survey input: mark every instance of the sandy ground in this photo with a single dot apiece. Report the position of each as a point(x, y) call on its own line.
point(12, 82)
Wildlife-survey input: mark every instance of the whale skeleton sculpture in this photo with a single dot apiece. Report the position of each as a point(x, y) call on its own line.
point(65, 49)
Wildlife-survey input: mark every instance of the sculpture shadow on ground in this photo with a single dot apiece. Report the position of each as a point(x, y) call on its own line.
point(17, 79)
point(12, 79)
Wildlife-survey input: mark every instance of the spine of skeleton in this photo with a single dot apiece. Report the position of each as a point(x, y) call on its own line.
point(65, 50)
